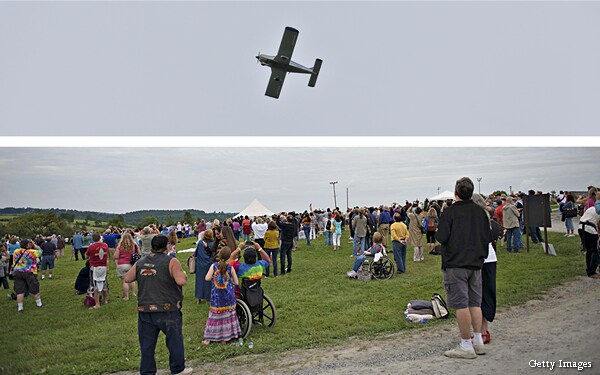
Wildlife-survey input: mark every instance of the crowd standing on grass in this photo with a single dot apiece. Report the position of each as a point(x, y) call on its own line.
point(466, 232)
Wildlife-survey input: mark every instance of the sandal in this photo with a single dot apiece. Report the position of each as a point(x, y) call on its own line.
point(205, 342)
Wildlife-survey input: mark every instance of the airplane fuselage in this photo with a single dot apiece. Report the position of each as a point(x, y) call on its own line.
point(283, 63)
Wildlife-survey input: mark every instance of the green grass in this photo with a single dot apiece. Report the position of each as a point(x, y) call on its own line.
point(317, 306)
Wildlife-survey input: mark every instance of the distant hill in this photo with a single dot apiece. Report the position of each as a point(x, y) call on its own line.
point(131, 218)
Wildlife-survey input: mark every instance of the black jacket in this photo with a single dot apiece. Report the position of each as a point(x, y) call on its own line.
point(464, 230)
point(288, 231)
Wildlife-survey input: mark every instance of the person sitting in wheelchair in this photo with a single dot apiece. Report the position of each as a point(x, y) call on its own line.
point(375, 249)
point(250, 272)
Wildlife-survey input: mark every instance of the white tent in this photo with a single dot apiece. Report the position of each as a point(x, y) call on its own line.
point(442, 196)
point(255, 209)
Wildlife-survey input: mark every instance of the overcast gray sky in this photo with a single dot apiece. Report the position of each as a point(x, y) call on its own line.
point(390, 68)
point(227, 179)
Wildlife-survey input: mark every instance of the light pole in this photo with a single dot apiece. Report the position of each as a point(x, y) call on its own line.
point(479, 183)
point(438, 190)
point(334, 197)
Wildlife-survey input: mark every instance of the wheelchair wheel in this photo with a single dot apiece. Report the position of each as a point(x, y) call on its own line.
point(383, 269)
point(244, 317)
point(268, 316)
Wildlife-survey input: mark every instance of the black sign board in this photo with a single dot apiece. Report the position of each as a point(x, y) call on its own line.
point(537, 210)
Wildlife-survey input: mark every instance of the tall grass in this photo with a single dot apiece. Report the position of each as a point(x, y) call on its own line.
point(317, 306)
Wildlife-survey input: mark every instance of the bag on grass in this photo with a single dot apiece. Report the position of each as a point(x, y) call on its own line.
point(191, 263)
point(88, 301)
point(440, 309)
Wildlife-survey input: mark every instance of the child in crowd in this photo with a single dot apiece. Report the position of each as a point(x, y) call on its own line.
point(171, 250)
point(272, 246)
point(222, 324)
point(370, 252)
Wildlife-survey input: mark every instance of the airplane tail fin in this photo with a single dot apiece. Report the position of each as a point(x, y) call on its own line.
point(315, 74)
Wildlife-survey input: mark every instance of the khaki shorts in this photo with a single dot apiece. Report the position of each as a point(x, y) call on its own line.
point(463, 287)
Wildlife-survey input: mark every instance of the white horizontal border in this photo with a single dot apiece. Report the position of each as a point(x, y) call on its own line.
point(276, 141)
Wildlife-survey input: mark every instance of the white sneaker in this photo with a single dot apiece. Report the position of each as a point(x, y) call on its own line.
point(479, 349)
point(43, 277)
point(186, 371)
point(571, 235)
point(352, 274)
point(459, 352)
point(566, 235)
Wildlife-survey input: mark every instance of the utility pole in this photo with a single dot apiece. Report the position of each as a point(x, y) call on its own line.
point(438, 190)
point(479, 183)
point(347, 204)
point(334, 197)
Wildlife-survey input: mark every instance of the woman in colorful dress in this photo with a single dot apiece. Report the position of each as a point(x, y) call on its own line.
point(222, 324)
point(171, 245)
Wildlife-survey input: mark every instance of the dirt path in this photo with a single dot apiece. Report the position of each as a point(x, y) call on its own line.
point(564, 325)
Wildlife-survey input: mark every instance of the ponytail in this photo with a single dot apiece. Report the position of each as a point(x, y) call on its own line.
point(223, 257)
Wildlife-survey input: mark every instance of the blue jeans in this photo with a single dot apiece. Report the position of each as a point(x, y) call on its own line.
point(149, 326)
point(246, 237)
point(517, 240)
point(328, 240)
point(359, 260)
point(535, 233)
point(273, 254)
point(399, 250)
point(306, 231)
point(358, 240)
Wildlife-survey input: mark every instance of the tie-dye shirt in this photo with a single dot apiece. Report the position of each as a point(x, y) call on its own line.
point(28, 262)
point(250, 271)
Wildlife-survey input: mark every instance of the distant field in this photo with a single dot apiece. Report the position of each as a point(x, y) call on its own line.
point(317, 305)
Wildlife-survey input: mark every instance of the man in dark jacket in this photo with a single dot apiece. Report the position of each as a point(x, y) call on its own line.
point(160, 280)
point(464, 231)
point(289, 230)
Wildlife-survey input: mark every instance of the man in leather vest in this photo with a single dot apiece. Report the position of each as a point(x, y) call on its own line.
point(160, 280)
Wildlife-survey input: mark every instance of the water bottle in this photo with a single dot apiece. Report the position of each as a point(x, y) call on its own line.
point(240, 342)
point(250, 345)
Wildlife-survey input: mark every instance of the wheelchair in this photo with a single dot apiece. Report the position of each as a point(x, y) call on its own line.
point(382, 269)
point(254, 307)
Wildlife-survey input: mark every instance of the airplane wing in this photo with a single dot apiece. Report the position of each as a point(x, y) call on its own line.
point(288, 42)
point(275, 82)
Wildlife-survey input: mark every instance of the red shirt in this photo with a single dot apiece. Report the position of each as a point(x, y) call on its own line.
point(98, 254)
point(498, 215)
point(246, 229)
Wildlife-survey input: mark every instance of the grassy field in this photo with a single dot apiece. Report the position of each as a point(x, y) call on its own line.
point(317, 305)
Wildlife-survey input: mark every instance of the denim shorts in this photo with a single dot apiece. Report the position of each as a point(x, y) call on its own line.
point(47, 262)
point(463, 287)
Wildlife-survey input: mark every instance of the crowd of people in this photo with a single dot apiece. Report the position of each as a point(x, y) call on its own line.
point(464, 231)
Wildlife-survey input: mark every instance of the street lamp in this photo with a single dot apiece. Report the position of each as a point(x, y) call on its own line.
point(479, 183)
point(334, 197)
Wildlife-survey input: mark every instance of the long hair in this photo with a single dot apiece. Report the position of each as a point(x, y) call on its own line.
point(227, 234)
point(223, 256)
point(172, 237)
point(126, 242)
point(432, 212)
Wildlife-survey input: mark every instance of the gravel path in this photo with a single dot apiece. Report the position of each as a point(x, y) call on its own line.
point(564, 325)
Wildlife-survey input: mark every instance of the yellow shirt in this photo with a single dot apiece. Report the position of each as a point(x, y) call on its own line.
point(272, 239)
point(399, 231)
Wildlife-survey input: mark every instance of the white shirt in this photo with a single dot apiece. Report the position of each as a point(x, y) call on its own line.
point(259, 230)
point(591, 216)
point(491, 255)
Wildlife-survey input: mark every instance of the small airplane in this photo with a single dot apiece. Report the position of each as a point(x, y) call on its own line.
point(282, 64)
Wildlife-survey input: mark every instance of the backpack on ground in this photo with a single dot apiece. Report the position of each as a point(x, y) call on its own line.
point(440, 309)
